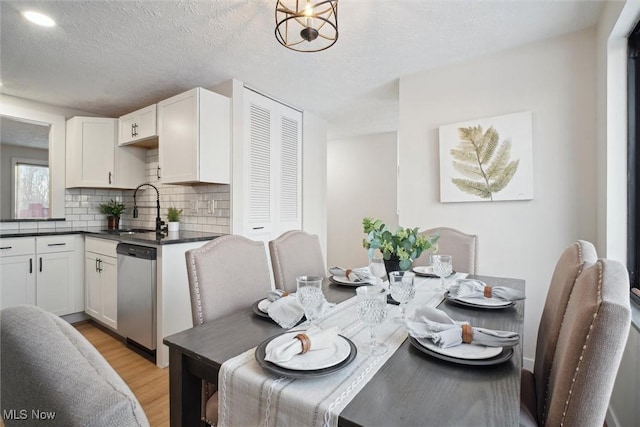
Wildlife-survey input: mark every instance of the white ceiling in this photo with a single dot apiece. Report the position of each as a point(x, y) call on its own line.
point(113, 57)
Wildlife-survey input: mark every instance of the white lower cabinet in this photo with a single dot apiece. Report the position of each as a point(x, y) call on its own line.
point(17, 272)
point(44, 271)
point(101, 280)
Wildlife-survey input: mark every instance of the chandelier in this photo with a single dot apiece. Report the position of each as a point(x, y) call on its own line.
point(307, 25)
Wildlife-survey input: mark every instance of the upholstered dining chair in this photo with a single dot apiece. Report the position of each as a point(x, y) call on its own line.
point(226, 274)
point(295, 253)
point(461, 246)
point(569, 266)
point(588, 352)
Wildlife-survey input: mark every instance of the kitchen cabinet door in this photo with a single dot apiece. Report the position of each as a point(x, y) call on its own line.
point(109, 285)
point(58, 273)
point(94, 159)
point(137, 126)
point(17, 271)
point(18, 280)
point(101, 270)
point(194, 138)
point(93, 286)
point(55, 282)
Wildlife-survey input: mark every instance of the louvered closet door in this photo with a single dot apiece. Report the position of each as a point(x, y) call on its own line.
point(273, 184)
point(290, 182)
point(259, 201)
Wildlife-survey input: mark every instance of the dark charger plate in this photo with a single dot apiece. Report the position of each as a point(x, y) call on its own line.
point(292, 373)
point(505, 355)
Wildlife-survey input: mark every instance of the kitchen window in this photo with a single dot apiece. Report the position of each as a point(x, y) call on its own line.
point(31, 188)
point(633, 159)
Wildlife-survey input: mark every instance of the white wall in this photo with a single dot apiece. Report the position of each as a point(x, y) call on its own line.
point(362, 181)
point(555, 80)
point(314, 177)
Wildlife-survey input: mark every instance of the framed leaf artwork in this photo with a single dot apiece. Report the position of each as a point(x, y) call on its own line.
point(487, 159)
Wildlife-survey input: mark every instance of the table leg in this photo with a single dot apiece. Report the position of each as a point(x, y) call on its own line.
point(184, 392)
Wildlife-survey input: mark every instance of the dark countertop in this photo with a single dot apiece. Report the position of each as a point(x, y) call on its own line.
point(149, 237)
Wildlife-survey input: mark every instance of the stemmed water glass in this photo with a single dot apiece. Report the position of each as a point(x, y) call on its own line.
point(310, 297)
point(442, 268)
point(402, 290)
point(377, 269)
point(372, 310)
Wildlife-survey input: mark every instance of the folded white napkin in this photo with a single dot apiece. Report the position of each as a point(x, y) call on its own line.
point(471, 288)
point(357, 275)
point(429, 322)
point(286, 311)
point(278, 351)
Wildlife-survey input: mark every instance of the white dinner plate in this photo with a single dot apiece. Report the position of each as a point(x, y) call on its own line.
point(313, 359)
point(488, 302)
point(462, 351)
point(263, 305)
point(342, 280)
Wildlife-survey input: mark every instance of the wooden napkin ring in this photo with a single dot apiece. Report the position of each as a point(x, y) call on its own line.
point(487, 291)
point(284, 294)
point(305, 341)
point(347, 273)
point(467, 333)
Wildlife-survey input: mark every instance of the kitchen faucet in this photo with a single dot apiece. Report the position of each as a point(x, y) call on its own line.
point(159, 222)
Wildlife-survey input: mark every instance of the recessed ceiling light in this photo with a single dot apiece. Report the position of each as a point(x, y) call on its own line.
point(38, 18)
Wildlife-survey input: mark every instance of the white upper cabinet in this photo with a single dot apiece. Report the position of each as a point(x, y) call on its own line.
point(194, 138)
point(273, 145)
point(138, 127)
point(94, 159)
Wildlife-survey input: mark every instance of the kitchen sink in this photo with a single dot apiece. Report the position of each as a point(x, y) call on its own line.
point(124, 231)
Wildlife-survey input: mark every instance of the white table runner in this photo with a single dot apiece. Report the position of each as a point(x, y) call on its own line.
point(250, 396)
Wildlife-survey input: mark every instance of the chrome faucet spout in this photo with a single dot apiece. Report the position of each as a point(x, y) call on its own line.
point(159, 222)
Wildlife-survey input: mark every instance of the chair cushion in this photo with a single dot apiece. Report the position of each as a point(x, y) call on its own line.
point(527, 399)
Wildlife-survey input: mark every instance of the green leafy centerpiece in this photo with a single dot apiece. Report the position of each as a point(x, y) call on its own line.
point(404, 245)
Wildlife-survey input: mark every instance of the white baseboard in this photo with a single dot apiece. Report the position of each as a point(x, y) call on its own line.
point(611, 419)
point(527, 364)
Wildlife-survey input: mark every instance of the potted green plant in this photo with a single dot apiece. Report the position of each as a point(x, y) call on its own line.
point(113, 210)
point(173, 218)
point(398, 248)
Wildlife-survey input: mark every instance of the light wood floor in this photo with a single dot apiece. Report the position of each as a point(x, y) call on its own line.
point(149, 383)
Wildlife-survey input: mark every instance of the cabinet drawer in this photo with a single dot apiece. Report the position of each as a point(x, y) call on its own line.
point(17, 246)
point(48, 244)
point(101, 246)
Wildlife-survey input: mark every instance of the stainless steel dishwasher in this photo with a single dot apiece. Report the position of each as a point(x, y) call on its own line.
point(137, 295)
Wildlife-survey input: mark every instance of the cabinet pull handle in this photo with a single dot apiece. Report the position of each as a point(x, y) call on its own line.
point(135, 129)
point(96, 264)
point(258, 228)
point(109, 177)
point(40, 264)
point(30, 265)
point(6, 247)
point(158, 172)
point(56, 244)
point(99, 266)
point(132, 128)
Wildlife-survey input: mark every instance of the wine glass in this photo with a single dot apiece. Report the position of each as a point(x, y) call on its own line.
point(377, 269)
point(442, 268)
point(310, 297)
point(372, 310)
point(402, 290)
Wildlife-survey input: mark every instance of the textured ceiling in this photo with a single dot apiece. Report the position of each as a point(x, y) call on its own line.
point(113, 57)
point(14, 132)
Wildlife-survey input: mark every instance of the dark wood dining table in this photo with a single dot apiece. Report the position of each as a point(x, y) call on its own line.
point(411, 389)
